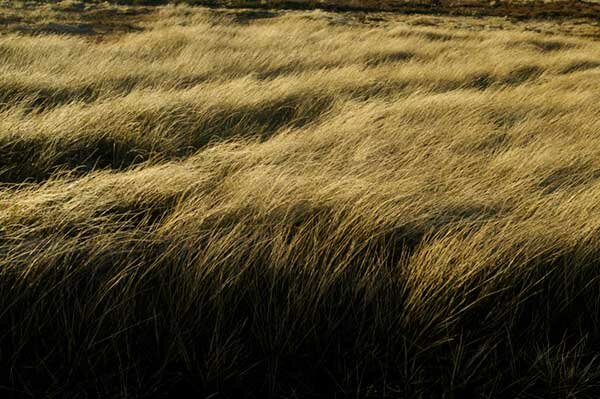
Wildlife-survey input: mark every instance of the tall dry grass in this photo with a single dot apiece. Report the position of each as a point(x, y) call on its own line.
point(301, 204)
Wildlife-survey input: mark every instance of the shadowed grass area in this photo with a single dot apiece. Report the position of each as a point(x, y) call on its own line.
point(251, 203)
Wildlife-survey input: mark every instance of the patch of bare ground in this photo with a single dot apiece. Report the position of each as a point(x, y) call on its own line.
point(523, 9)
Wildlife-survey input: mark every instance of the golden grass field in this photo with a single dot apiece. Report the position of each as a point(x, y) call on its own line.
point(270, 203)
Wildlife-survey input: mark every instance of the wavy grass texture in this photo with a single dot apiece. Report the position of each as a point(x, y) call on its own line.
point(235, 203)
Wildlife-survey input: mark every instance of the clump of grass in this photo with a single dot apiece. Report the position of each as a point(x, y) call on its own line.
point(290, 206)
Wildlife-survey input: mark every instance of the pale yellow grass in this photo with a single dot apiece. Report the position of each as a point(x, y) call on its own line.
point(302, 204)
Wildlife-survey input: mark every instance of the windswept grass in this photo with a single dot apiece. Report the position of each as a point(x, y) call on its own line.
point(301, 204)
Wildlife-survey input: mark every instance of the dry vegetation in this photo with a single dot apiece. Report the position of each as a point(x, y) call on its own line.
point(297, 204)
